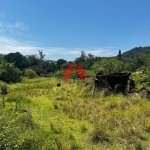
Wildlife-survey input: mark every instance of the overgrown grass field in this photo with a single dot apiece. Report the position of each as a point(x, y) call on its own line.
point(42, 116)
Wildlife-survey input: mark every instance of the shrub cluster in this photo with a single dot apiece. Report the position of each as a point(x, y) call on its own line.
point(8, 73)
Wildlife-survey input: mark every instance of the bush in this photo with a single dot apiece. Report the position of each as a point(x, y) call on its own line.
point(59, 74)
point(50, 74)
point(30, 73)
point(8, 73)
point(3, 92)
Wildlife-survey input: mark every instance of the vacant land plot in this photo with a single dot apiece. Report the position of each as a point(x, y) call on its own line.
point(38, 114)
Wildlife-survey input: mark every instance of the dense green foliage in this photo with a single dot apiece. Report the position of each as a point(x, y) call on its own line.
point(18, 59)
point(85, 61)
point(136, 52)
point(9, 73)
point(128, 61)
point(3, 92)
point(30, 73)
point(113, 65)
point(22, 62)
point(3, 89)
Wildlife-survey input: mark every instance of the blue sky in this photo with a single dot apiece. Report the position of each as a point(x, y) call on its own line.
point(64, 28)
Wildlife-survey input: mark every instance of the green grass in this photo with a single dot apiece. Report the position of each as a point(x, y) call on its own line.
point(40, 115)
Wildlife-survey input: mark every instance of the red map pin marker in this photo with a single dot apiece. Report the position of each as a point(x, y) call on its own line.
point(81, 72)
point(68, 72)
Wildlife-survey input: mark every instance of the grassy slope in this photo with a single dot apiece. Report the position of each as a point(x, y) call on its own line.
point(40, 115)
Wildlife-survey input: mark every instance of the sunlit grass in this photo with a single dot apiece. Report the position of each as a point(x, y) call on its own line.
point(46, 116)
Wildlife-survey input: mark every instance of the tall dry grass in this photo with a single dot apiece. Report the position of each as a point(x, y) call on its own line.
point(40, 115)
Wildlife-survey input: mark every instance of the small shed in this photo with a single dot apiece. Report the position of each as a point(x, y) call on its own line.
point(37, 69)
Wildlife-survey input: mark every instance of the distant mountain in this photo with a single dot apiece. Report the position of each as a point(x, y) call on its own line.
point(136, 52)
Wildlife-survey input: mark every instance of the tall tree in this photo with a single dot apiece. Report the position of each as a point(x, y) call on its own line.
point(1, 57)
point(41, 54)
point(80, 59)
point(52, 66)
point(32, 60)
point(59, 63)
point(18, 59)
point(119, 55)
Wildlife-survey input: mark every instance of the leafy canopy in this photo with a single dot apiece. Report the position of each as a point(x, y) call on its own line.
point(8, 72)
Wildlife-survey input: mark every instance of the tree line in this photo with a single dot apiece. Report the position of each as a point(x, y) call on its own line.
point(92, 64)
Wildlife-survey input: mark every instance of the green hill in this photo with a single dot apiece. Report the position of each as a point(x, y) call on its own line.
point(136, 52)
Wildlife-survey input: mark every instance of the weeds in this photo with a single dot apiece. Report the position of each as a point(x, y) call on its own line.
point(3, 92)
point(100, 134)
point(40, 115)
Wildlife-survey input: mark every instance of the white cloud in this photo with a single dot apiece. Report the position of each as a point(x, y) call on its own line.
point(9, 45)
point(12, 28)
point(17, 25)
